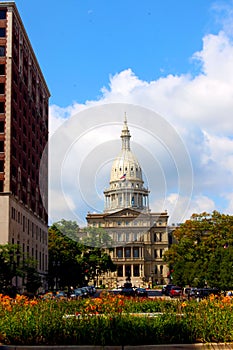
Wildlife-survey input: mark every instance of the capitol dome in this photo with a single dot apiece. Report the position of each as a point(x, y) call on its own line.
point(126, 165)
point(126, 182)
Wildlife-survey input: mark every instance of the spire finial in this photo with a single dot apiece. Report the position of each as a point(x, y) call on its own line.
point(125, 121)
point(125, 135)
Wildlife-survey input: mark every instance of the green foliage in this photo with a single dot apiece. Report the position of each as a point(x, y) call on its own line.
point(33, 279)
point(68, 228)
point(176, 322)
point(74, 262)
point(14, 264)
point(64, 267)
point(10, 265)
point(97, 238)
point(202, 254)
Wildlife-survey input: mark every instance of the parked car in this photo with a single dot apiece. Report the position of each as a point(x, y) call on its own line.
point(166, 289)
point(127, 290)
point(116, 290)
point(175, 291)
point(91, 290)
point(85, 292)
point(76, 294)
point(189, 292)
point(205, 292)
point(141, 292)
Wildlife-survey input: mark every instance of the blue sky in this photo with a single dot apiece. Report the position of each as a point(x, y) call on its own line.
point(80, 43)
point(170, 58)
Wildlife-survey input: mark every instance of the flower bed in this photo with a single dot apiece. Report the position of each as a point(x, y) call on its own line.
point(119, 321)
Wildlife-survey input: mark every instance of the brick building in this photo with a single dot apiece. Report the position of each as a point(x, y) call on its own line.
point(24, 98)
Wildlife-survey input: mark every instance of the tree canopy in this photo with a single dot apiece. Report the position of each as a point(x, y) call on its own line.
point(202, 252)
point(13, 264)
point(74, 261)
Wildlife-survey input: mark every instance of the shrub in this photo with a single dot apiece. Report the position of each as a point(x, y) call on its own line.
point(114, 320)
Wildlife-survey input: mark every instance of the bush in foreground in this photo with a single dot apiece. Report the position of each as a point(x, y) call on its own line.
point(114, 320)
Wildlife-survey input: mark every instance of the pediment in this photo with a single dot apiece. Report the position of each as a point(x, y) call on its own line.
point(127, 212)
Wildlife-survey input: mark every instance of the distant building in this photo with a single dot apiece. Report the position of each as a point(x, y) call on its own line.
point(24, 98)
point(140, 237)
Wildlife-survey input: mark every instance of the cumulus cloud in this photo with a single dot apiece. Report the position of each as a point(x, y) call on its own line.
point(198, 107)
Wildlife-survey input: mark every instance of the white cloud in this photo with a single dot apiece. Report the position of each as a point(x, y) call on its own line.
point(199, 108)
point(229, 197)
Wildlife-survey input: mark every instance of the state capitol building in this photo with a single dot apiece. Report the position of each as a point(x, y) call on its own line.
point(139, 236)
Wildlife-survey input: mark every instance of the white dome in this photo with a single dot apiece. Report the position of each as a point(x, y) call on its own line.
point(126, 184)
point(126, 165)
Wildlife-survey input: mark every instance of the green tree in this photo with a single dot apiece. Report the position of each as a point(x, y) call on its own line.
point(64, 267)
point(33, 278)
point(10, 266)
point(202, 251)
point(96, 237)
point(75, 262)
point(96, 259)
point(68, 228)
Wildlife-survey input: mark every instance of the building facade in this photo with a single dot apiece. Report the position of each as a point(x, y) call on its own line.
point(139, 236)
point(24, 98)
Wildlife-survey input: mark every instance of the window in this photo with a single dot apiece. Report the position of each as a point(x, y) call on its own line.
point(2, 107)
point(120, 271)
point(15, 96)
point(119, 237)
point(119, 252)
point(13, 170)
point(136, 252)
point(14, 133)
point(1, 166)
point(161, 253)
point(2, 32)
point(128, 252)
point(2, 88)
point(128, 270)
point(2, 69)
point(2, 126)
point(1, 185)
point(161, 269)
point(2, 50)
point(1, 146)
point(136, 270)
point(2, 14)
point(155, 254)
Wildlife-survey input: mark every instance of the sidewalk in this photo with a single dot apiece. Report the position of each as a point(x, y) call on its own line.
point(199, 346)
